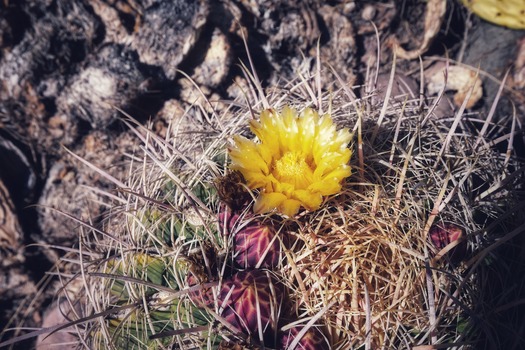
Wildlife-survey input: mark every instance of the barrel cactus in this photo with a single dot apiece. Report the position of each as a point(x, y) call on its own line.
point(339, 220)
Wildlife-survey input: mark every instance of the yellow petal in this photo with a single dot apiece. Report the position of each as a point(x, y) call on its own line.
point(289, 117)
point(331, 183)
point(254, 179)
point(268, 202)
point(325, 188)
point(310, 200)
point(266, 153)
point(330, 162)
point(283, 187)
point(247, 155)
point(308, 130)
point(339, 173)
point(266, 134)
point(290, 207)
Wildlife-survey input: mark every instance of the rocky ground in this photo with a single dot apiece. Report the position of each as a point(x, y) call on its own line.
point(69, 71)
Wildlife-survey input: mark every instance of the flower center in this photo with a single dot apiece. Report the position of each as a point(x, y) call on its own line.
point(292, 168)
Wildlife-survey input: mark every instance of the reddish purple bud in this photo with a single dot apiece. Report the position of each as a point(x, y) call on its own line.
point(254, 302)
point(228, 221)
point(257, 246)
point(443, 234)
point(313, 339)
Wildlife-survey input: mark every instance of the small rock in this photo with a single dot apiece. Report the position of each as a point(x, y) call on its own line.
point(216, 63)
point(111, 80)
point(168, 32)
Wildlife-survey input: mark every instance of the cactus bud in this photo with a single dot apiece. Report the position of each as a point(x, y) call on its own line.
point(443, 234)
point(253, 304)
point(228, 221)
point(256, 246)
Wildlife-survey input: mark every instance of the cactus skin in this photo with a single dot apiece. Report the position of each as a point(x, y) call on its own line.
point(228, 221)
point(256, 299)
point(256, 246)
point(311, 340)
point(131, 330)
point(202, 297)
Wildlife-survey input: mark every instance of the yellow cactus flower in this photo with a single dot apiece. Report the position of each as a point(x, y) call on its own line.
point(298, 159)
point(508, 13)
